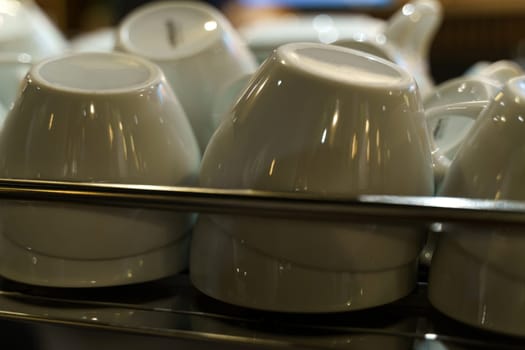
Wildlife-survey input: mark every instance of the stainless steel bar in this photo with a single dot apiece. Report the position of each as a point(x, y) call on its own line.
point(369, 208)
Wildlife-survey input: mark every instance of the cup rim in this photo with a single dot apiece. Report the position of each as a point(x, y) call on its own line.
point(155, 75)
point(384, 49)
point(124, 42)
point(285, 53)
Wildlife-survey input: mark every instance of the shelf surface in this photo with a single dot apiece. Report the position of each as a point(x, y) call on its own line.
point(172, 309)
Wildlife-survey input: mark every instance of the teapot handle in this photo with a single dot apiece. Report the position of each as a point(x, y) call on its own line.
point(434, 116)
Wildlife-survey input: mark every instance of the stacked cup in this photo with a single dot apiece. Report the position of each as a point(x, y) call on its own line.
point(95, 117)
point(476, 273)
point(327, 122)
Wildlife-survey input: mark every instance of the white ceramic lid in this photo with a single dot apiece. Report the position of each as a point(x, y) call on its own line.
point(168, 30)
point(94, 73)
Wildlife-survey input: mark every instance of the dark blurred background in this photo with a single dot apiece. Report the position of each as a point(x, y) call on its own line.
point(473, 30)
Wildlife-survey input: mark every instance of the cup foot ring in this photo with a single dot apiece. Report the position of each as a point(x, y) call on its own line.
point(225, 269)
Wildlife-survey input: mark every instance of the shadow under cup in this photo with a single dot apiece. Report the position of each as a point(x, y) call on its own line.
point(95, 117)
point(328, 122)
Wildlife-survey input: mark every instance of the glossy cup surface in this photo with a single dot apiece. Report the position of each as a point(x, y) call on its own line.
point(95, 117)
point(481, 266)
point(301, 125)
point(308, 123)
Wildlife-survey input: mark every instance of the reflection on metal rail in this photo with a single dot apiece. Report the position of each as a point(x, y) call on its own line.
point(369, 208)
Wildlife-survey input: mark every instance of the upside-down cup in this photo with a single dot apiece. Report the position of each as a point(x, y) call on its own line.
point(328, 122)
point(95, 117)
point(476, 273)
point(197, 48)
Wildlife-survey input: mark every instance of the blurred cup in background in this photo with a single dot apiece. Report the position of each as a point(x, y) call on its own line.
point(196, 47)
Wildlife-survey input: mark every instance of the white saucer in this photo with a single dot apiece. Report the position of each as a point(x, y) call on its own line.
point(226, 269)
point(474, 291)
point(26, 266)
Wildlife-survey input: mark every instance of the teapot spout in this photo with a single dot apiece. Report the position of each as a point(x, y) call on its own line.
point(413, 27)
point(411, 30)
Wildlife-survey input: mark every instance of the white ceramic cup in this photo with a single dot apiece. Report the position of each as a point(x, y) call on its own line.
point(451, 109)
point(95, 117)
point(325, 121)
point(24, 27)
point(457, 100)
point(449, 125)
point(476, 273)
point(196, 47)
